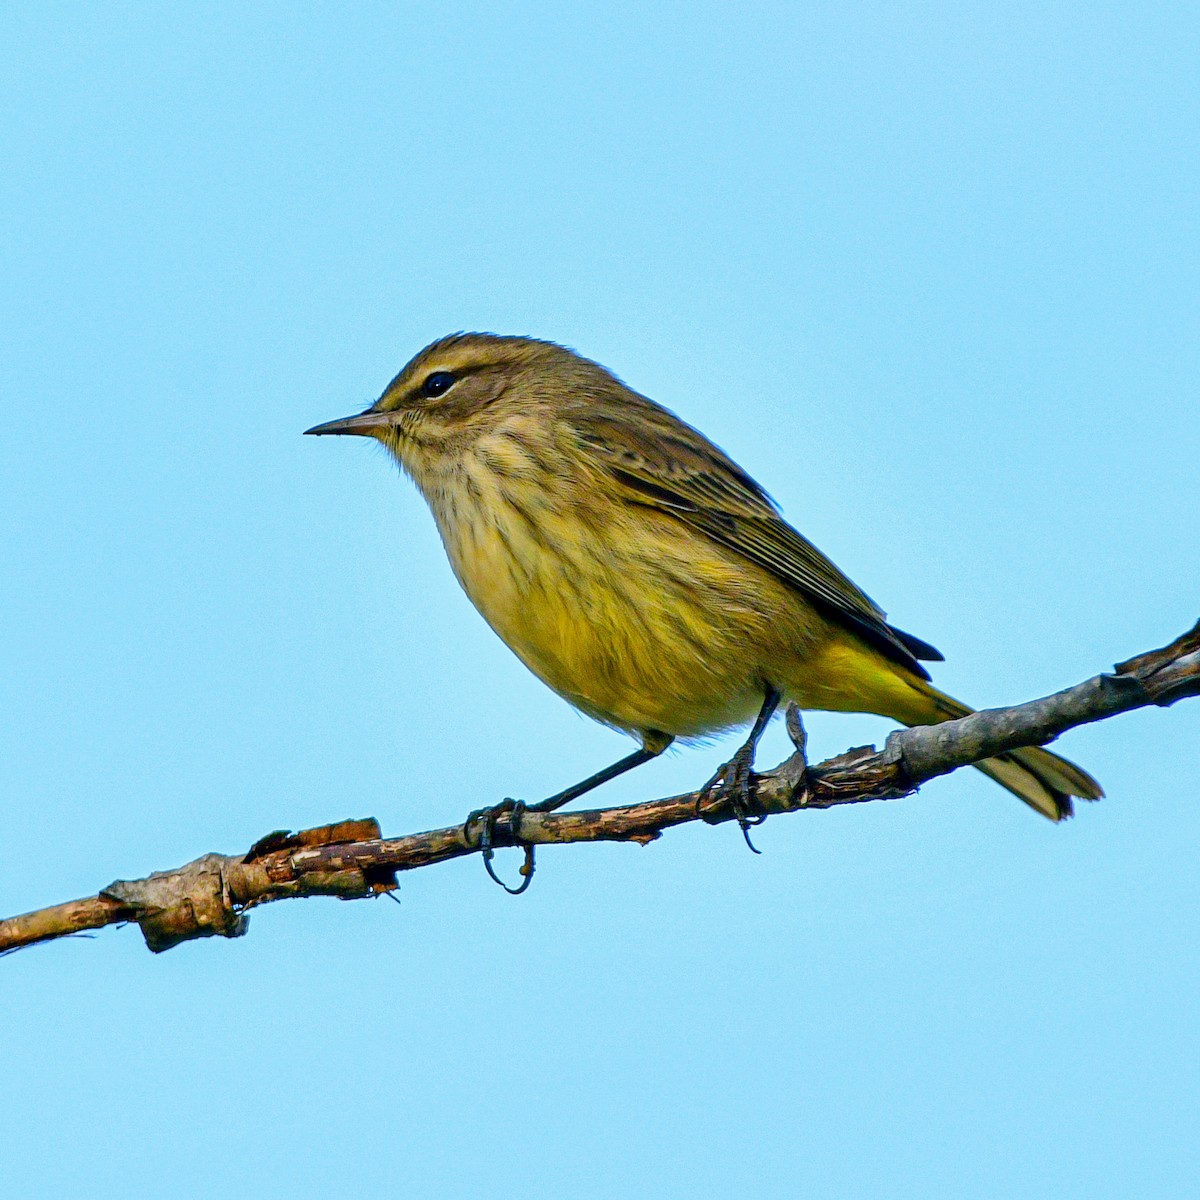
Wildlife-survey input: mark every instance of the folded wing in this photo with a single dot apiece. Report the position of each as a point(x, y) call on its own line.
point(661, 462)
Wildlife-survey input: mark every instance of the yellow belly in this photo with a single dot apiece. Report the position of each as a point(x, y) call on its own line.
point(636, 620)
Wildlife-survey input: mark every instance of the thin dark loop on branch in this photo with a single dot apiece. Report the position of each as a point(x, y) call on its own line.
point(504, 819)
point(526, 870)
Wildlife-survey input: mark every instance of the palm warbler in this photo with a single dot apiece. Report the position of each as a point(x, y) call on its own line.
point(641, 573)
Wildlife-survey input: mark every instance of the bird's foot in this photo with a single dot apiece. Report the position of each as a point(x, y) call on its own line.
point(737, 785)
point(509, 811)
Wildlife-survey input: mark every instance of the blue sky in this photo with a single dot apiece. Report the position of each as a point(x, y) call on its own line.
point(929, 271)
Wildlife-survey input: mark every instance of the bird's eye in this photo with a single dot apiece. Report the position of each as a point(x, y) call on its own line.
point(438, 384)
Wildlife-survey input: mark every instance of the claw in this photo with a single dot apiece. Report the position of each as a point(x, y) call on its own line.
point(512, 809)
point(736, 784)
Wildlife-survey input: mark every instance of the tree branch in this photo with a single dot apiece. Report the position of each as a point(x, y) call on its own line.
point(350, 860)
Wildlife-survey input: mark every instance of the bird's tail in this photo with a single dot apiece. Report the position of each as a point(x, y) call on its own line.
point(1043, 780)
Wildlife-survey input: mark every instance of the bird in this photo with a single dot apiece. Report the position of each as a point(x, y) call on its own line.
point(641, 573)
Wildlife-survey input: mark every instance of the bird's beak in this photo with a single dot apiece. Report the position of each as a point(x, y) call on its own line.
point(366, 424)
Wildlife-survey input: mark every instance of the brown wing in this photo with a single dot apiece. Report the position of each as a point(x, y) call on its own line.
point(663, 463)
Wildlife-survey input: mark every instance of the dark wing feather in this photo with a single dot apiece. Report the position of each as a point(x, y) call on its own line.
point(663, 463)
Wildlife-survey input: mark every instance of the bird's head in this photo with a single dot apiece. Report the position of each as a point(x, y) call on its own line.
point(457, 389)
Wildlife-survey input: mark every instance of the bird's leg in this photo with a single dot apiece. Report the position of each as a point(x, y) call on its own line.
point(735, 782)
point(653, 744)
